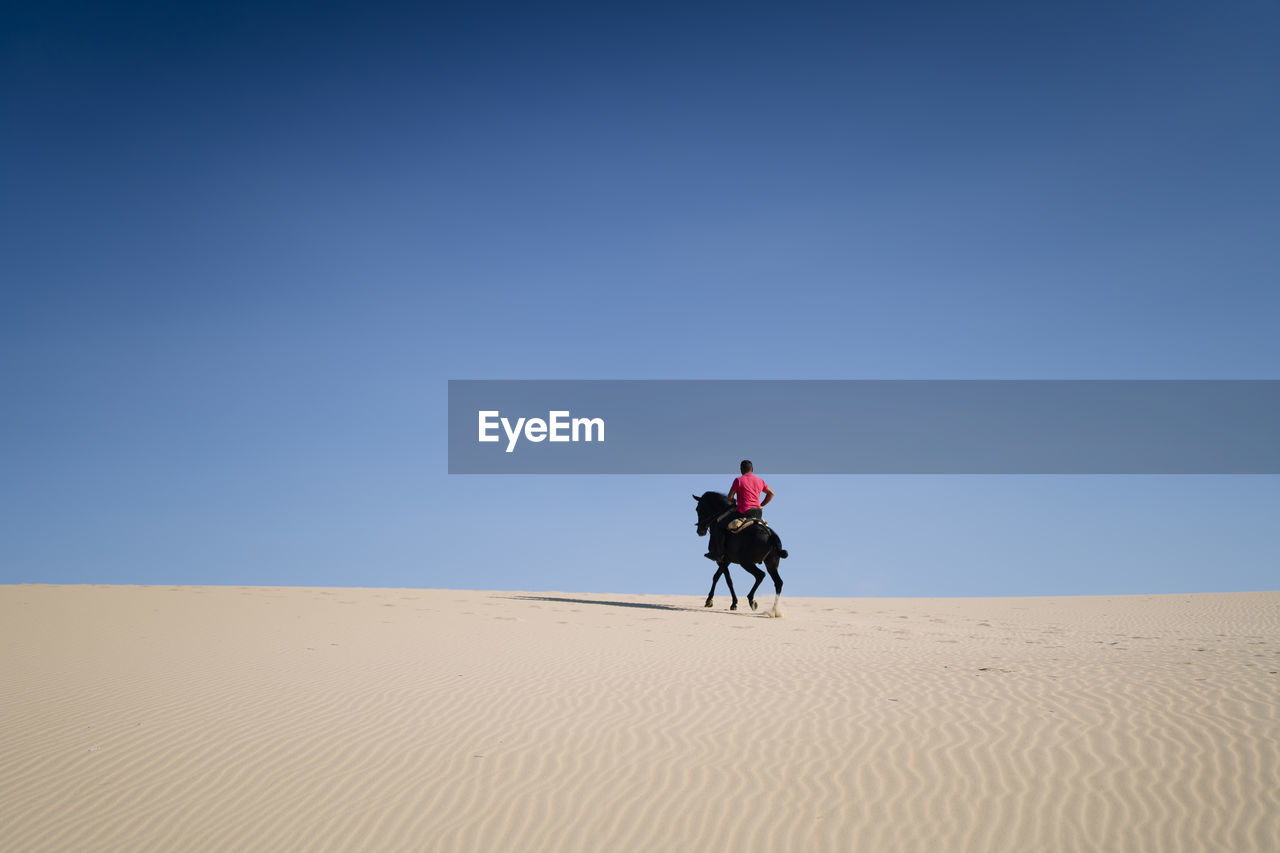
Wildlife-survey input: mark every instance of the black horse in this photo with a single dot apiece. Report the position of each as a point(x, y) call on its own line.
point(746, 548)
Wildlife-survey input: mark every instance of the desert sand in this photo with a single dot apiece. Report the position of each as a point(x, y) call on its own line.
point(190, 718)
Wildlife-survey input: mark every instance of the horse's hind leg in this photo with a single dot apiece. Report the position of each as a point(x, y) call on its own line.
point(759, 576)
point(771, 563)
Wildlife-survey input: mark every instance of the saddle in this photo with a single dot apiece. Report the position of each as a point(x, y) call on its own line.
point(740, 524)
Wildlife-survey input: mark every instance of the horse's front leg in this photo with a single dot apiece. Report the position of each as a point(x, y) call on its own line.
point(715, 579)
point(728, 579)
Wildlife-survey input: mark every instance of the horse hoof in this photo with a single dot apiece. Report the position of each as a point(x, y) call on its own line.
point(733, 606)
point(753, 605)
point(708, 604)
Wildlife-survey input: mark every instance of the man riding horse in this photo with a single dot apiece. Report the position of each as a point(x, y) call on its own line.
point(746, 489)
point(753, 543)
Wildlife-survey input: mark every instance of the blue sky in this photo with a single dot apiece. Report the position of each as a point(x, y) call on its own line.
point(246, 247)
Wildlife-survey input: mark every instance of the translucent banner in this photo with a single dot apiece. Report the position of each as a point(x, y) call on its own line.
point(864, 426)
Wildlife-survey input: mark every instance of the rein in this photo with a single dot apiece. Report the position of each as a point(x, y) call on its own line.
point(721, 517)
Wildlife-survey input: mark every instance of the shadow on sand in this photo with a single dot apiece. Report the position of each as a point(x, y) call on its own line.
point(637, 604)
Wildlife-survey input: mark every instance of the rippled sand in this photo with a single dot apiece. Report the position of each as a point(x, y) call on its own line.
point(301, 719)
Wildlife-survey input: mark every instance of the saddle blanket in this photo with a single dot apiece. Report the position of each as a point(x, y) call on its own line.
point(739, 524)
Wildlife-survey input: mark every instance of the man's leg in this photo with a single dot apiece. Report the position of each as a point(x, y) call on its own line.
point(718, 533)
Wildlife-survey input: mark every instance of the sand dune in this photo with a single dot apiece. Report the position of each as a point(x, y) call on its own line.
point(300, 719)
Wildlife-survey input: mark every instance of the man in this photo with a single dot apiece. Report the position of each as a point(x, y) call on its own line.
point(747, 489)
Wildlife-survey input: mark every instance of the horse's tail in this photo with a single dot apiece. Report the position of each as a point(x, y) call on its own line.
point(777, 546)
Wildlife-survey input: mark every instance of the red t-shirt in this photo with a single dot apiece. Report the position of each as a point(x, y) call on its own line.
point(749, 487)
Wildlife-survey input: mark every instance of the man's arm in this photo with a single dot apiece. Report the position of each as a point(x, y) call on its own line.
point(768, 496)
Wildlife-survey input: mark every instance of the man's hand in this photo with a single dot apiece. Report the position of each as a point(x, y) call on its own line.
point(768, 496)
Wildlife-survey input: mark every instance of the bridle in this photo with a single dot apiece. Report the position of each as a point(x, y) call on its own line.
point(704, 526)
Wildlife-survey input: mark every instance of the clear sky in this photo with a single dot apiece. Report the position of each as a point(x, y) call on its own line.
point(246, 245)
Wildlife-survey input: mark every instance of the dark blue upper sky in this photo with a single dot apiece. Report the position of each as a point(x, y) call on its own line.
point(246, 246)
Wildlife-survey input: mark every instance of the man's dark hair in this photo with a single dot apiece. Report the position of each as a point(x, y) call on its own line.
point(746, 466)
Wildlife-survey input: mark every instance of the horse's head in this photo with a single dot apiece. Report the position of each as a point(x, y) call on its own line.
point(710, 505)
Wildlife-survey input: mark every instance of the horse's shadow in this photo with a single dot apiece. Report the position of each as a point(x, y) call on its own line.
point(602, 602)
